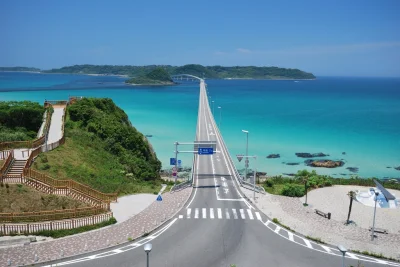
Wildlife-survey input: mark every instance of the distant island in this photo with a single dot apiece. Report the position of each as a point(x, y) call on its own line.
point(208, 72)
point(158, 76)
point(19, 69)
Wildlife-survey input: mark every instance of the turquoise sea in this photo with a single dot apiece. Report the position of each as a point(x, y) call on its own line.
point(358, 116)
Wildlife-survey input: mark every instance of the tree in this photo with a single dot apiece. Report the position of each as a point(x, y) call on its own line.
point(304, 175)
point(352, 195)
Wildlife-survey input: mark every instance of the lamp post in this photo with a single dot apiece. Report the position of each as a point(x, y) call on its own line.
point(213, 107)
point(246, 162)
point(219, 126)
point(373, 222)
point(147, 249)
point(343, 250)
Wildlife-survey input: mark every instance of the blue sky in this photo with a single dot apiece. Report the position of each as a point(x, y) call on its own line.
point(328, 38)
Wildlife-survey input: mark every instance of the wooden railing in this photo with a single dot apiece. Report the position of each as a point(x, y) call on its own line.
point(32, 156)
point(7, 163)
point(71, 184)
point(29, 228)
point(50, 215)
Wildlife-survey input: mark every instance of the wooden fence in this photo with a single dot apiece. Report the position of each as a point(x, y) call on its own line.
point(7, 163)
point(30, 228)
point(4, 154)
point(50, 215)
point(70, 184)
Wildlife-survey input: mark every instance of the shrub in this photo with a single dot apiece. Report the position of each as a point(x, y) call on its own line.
point(269, 183)
point(293, 190)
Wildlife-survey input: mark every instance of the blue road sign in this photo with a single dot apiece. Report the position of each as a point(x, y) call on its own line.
point(172, 161)
point(205, 150)
point(179, 163)
point(159, 198)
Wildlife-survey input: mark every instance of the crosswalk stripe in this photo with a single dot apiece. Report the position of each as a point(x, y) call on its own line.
point(196, 213)
point(250, 214)
point(242, 214)
point(308, 243)
point(351, 255)
point(204, 213)
point(211, 213)
point(188, 213)
point(277, 229)
point(290, 234)
point(258, 216)
point(326, 249)
point(180, 216)
point(235, 216)
point(219, 214)
point(227, 214)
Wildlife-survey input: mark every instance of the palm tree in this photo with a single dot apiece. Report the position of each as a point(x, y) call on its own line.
point(352, 195)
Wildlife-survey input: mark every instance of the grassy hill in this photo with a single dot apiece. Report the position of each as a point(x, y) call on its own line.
point(158, 76)
point(103, 150)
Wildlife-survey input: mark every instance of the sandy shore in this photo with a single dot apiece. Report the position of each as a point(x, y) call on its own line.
point(129, 206)
point(304, 220)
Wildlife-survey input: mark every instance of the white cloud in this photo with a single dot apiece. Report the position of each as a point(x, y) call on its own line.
point(244, 50)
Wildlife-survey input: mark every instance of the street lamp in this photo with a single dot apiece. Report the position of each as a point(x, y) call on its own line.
point(246, 162)
point(219, 126)
point(343, 250)
point(147, 249)
point(373, 222)
point(213, 107)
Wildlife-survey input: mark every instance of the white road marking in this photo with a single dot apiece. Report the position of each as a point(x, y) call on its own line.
point(235, 216)
point(242, 214)
point(308, 243)
point(204, 212)
point(224, 184)
point(351, 255)
point(180, 216)
point(277, 229)
point(223, 178)
point(211, 213)
point(188, 213)
point(226, 191)
point(290, 234)
point(227, 214)
point(258, 216)
point(250, 214)
point(196, 213)
point(219, 214)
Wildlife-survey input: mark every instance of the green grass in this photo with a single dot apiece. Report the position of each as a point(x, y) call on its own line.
point(83, 158)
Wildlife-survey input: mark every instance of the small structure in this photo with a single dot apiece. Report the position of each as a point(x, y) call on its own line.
point(384, 200)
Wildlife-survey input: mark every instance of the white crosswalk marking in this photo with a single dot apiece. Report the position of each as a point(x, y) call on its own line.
point(290, 235)
point(211, 213)
point(242, 214)
point(188, 213)
point(227, 214)
point(326, 248)
point(277, 229)
point(258, 216)
point(308, 243)
point(196, 213)
point(204, 213)
point(235, 216)
point(219, 214)
point(250, 214)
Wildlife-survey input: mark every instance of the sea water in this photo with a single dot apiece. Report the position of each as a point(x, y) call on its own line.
point(351, 119)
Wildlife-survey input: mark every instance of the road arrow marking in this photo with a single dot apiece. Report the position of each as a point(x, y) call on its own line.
point(223, 178)
point(225, 184)
point(226, 190)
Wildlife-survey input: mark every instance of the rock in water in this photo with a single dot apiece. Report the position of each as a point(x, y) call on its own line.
point(309, 155)
point(352, 169)
point(324, 163)
point(273, 156)
point(397, 168)
point(292, 163)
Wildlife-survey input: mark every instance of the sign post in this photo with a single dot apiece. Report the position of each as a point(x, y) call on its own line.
point(205, 151)
point(176, 161)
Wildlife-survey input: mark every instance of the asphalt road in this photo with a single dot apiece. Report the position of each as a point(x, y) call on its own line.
point(218, 227)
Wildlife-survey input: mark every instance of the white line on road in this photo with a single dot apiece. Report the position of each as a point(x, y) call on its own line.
point(235, 216)
point(196, 213)
point(308, 243)
point(204, 212)
point(290, 235)
point(242, 214)
point(258, 216)
point(250, 214)
point(327, 249)
point(180, 216)
point(227, 214)
point(211, 213)
point(351, 255)
point(219, 214)
point(188, 213)
point(277, 229)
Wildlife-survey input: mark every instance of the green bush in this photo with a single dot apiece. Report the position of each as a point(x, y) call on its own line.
point(293, 190)
point(269, 183)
